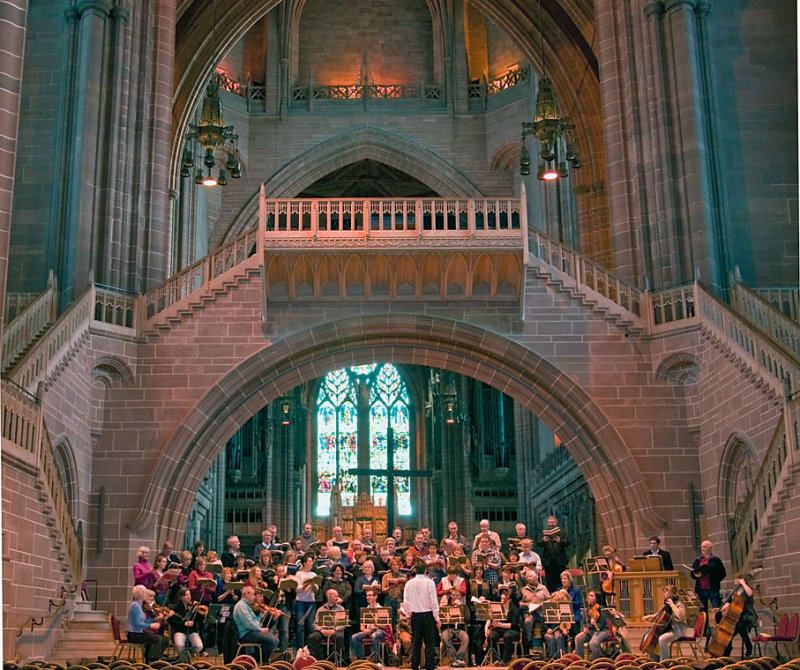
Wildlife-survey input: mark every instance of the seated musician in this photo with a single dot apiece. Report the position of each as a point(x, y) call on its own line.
point(556, 636)
point(322, 633)
point(533, 593)
point(489, 557)
point(185, 623)
point(452, 590)
point(676, 621)
point(248, 624)
point(144, 629)
point(748, 619)
point(510, 629)
point(377, 634)
point(595, 630)
point(392, 586)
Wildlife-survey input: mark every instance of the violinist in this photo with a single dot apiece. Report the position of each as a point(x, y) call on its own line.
point(607, 576)
point(675, 621)
point(184, 624)
point(144, 629)
point(248, 624)
point(748, 619)
point(595, 630)
point(556, 635)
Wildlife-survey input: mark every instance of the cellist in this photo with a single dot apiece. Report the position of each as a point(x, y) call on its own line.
point(747, 615)
point(669, 624)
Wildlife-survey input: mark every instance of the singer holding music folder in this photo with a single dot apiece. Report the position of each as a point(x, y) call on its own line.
point(421, 603)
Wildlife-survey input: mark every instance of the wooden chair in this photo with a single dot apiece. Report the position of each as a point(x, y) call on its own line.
point(692, 637)
point(132, 650)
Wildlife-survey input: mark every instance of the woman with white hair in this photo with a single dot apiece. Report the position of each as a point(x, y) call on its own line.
point(144, 629)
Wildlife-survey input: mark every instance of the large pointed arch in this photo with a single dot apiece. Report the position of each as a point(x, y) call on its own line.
point(621, 496)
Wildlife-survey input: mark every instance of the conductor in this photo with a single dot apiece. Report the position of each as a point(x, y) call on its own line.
point(421, 603)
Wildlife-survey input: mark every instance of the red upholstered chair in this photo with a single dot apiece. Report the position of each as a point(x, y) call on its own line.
point(786, 633)
point(693, 638)
point(132, 651)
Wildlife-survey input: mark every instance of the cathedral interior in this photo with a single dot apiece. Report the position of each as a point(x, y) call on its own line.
point(540, 256)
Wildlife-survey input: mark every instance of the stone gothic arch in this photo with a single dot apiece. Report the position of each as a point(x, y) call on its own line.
point(349, 147)
point(67, 472)
point(602, 456)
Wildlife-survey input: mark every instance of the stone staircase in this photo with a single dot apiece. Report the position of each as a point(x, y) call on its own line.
point(785, 490)
point(86, 637)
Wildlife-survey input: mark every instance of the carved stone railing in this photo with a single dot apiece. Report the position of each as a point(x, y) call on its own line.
point(751, 514)
point(37, 315)
point(586, 273)
point(783, 298)
point(454, 221)
point(195, 277)
point(24, 426)
point(50, 350)
point(360, 91)
point(766, 317)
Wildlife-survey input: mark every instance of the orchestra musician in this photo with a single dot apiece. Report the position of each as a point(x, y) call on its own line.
point(377, 634)
point(321, 632)
point(510, 629)
point(615, 565)
point(185, 623)
point(595, 630)
point(675, 626)
point(556, 635)
point(248, 624)
point(284, 603)
point(554, 553)
point(144, 629)
point(748, 619)
point(452, 591)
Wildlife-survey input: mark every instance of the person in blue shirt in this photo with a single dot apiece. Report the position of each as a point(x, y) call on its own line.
point(248, 624)
point(142, 628)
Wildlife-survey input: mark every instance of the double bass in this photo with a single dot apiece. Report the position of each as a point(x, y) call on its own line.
point(724, 632)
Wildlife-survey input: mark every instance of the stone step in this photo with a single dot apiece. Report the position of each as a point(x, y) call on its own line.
point(73, 634)
point(90, 616)
point(84, 626)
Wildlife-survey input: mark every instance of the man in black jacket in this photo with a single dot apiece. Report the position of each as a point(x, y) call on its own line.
point(656, 550)
point(708, 573)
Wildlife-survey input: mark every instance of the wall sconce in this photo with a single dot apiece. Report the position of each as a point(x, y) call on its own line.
point(449, 416)
point(286, 417)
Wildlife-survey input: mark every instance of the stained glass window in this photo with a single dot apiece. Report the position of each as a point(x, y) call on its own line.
point(337, 434)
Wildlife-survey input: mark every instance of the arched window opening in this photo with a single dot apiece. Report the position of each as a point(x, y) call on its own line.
point(375, 398)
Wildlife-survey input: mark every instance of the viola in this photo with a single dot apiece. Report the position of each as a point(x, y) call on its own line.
point(608, 577)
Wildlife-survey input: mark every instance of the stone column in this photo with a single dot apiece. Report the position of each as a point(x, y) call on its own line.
point(85, 170)
point(13, 19)
point(689, 143)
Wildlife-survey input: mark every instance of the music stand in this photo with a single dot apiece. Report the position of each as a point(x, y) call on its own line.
point(494, 612)
point(646, 564)
point(451, 615)
point(218, 613)
point(376, 616)
point(594, 565)
point(557, 613)
point(333, 619)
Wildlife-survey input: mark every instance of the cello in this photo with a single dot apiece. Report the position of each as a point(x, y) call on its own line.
point(661, 620)
point(726, 628)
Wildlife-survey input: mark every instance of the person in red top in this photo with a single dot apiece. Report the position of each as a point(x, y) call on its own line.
point(201, 593)
point(142, 567)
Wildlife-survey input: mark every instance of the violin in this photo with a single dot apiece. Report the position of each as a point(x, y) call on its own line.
point(593, 612)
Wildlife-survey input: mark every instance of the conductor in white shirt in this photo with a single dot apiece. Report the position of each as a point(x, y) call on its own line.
point(421, 603)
